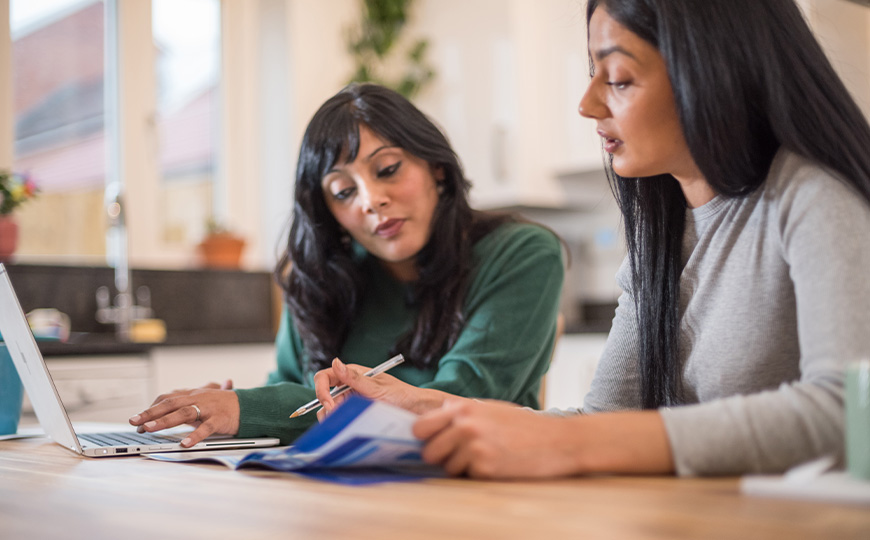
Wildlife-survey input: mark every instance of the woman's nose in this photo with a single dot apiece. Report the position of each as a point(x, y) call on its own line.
point(375, 199)
point(590, 105)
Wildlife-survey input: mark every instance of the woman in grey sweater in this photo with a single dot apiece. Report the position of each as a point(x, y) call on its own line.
point(742, 169)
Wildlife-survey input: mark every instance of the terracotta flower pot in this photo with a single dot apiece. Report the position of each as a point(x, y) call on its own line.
point(8, 237)
point(221, 250)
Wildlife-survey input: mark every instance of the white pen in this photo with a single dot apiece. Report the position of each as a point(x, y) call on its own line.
point(339, 390)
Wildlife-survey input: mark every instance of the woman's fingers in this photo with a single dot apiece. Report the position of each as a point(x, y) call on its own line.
point(324, 411)
point(323, 381)
point(432, 422)
point(165, 414)
point(204, 430)
point(459, 461)
point(354, 376)
point(341, 374)
point(187, 414)
point(217, 408)
point(445, 438)
point(227, 385)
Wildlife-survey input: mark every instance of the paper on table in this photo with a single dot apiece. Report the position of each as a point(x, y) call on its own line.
point(810, 481)
point(361, 442)
point(229, 458)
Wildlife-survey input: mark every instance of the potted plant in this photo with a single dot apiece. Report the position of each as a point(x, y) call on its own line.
point(377, 48)
point(220, 248)
point(15, 189)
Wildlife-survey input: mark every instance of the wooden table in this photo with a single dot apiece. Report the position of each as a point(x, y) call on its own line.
point(48, 492)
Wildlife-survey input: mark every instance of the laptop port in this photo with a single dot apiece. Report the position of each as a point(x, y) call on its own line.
point(120, 450)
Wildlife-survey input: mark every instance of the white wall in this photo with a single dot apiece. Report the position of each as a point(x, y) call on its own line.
point(843, 29)
point(510, 76)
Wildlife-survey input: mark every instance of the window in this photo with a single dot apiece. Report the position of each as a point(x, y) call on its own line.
point(59, 129)
point(164, 147)
point(187, 44)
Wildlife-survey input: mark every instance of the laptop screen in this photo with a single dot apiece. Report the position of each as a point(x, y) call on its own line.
point(31, 367)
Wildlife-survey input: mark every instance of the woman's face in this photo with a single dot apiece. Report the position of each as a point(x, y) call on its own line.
point(385, 199)
point(631, 99)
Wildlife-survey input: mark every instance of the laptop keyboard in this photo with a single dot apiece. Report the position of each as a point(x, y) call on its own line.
point(126, 439)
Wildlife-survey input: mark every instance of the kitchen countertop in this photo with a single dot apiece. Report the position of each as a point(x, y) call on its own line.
point(95, 344)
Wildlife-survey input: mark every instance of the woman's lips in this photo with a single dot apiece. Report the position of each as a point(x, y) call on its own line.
point(389, 228)
point(610, 144)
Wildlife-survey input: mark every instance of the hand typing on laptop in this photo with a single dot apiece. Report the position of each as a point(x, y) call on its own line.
point(211, 409)
point(53, 417)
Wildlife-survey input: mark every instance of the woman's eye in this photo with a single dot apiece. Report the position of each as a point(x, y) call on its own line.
point(343, 194)
point(619, 85)
point(389, 171)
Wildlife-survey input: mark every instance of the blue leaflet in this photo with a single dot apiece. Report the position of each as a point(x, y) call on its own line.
point(361, 442)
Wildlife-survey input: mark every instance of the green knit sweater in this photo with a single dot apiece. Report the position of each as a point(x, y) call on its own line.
point(511, 309)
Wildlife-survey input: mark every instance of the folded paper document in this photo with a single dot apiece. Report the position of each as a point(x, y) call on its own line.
point(810, 481)
point(361, 442)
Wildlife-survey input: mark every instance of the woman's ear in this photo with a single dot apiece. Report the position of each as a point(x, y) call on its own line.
point(345, 238)
point(439, 175)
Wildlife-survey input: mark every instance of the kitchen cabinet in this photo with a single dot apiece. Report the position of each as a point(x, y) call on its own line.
point(510, 74)
point(112, 388)
point(188, 367)
point(572, 369)
point(99, 388)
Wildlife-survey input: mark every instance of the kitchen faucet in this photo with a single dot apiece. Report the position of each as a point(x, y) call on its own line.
point(122, 312)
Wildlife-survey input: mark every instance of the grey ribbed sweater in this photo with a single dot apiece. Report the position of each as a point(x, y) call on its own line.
point(774, 302)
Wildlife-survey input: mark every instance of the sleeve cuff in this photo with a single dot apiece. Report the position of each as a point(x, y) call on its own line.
point(265, 411)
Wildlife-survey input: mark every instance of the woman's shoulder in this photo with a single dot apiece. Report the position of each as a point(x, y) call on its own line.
point(795, 179)
point(513, 244)
point(520, 253)
point(802, 191)
point(518, 236)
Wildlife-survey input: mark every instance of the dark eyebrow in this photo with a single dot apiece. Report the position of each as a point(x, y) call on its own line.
point(603, 53)
point(370, 156)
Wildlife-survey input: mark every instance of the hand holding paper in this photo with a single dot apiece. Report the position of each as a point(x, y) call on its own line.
point(362, 442)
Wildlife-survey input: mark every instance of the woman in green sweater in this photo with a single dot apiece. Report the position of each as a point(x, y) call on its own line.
point(386, 256)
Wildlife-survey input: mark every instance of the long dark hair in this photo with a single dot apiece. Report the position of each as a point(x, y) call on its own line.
point(748, 78)
point(319, 274)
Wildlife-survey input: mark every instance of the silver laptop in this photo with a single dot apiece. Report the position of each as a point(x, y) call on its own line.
point(51, 412)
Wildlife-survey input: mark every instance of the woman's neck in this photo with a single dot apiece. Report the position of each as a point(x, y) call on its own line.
point(402, 271)
point(696, 191)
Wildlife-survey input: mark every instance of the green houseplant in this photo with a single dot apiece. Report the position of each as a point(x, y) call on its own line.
point(377, 49)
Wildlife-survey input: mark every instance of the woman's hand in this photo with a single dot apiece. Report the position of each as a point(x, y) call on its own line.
point(500, 440)
point(383, 387)
point(214, 408)
point(496, 440)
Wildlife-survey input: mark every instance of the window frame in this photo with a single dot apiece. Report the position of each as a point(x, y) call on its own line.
point(236, 200)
